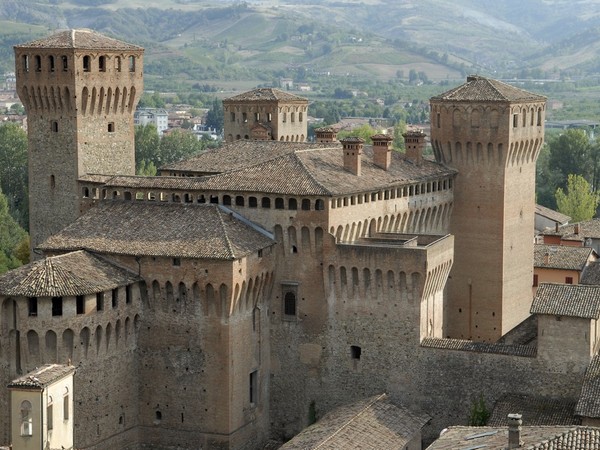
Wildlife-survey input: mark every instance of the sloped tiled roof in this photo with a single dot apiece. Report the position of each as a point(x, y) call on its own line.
point(76, 273)
point(591, 274)
point(42, 376)
point(533, 438)
point(561, 256)
point(573, 300)
point(589, 399)
point(586, 229)
point(80, 39)
point(265, 94)
point(373, 423)
point(478, 88)
point(535, 410)
point(160, 229)
point(480, 347)
point(551, 214)
point(318, 171)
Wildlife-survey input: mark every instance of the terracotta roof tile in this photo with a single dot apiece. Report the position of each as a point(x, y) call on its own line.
point(589, 399)
point(587, 229)
point(76, 273)
point(533, 438)
point(80, 39)
point(311, 170)
point(42, 376)
point(161, 229)
point(480, 347)
point(535, 410)
point(373, 423)
point(591, 274)
point(551, 214)
point(561, 257)
point(478, 88)
point(265, 94)
point(573, 300)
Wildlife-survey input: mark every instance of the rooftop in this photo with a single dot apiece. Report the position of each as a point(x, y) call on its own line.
point(373, 423)
point(589, 399)
point(577, 231)
point(572, 300)
point(265, 94)
point(478, 88)
point(551, 214)
point(303, 169)
point(561, 257)
point(591, 273)
point(161, 229)
point(80, 39)
point(533, 437)
point(76, 273)
point(42, 376)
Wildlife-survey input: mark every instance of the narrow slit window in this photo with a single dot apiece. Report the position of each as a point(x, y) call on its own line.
point(102, 64)
point(87, 65)
point(132, 63)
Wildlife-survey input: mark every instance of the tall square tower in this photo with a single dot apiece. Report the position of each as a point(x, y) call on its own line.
point(492, 133)
point(80, 90)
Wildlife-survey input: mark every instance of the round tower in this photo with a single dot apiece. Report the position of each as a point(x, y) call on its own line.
point(80, 90)
point(492, 133)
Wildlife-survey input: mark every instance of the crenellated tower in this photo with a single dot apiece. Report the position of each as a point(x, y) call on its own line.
point(492, 133)
point(80, 90)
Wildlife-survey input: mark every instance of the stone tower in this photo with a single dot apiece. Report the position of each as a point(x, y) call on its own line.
point(492, 133)
point(80, 90)
point(265, 114)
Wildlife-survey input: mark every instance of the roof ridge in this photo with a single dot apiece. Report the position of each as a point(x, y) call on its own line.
point(310, 175)
point(225, 234)
point(349, 421)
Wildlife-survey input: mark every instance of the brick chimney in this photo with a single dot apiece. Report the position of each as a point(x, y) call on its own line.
point(514, 431)
point(382, 150)
point(353, 147)
point(326, 134)
point(414, 144)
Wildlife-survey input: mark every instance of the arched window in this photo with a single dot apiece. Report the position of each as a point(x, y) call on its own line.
point(227, 200)
point(292, 203)
point(252, 202)
point(66, 404)
point(102, 64)
point(118, 63)
point(51, 63)
point(266, 202)
point(279, 203)
point(65, 63)
point(289, 304)
point(239, 201)
point(38, 63)
point(132, 63)
point(26, 419)
point(306, 204)
point(319, 205)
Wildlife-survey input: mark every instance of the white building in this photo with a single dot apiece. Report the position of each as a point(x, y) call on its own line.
point(155, 116)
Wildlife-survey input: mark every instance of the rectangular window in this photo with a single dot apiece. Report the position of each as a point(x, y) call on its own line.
point(80, 304)
point(99, 301)
point(253, 387)
point(111, 127)
point(49, 418)
point(54, 126)
point(244, 117)
point(66, 407)
point(300, 117)
point(535, 280)
point(257, 116)
point(26, 63)
point(65, 63)
point(284, 118)
point(232, 116)
point(115, 297)
point(57, 306)
point(269, 117)
point(515, 120)
point(569, 280)
point(128, 294)
point(32, 306)
point(177, 261)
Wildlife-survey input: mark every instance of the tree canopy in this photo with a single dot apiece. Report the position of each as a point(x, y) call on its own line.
point(12, 238)
point(13, 171)
point(578, 202)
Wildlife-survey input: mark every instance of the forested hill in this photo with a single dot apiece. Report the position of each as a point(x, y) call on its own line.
point(371, 38)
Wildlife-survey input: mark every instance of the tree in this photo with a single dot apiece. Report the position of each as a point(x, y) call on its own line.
point(147, 146)
point(11, 238)
point(13, 171)
point(178, 145)
point(579, 202)
point(214, 117)
point(570, 153)
point(364, 131)
point(398, 142)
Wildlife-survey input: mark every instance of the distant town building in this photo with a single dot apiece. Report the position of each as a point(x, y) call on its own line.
point(154, 116)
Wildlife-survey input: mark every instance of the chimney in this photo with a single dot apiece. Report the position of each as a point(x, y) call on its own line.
point(556, 227)
point(414, 144)
point(576, 228)
point(514, 431)
point(546, 258)
point(382, 150)
point(326, 134)
point(353, 147)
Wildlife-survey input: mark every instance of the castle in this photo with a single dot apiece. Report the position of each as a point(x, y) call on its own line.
point(215, 305)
